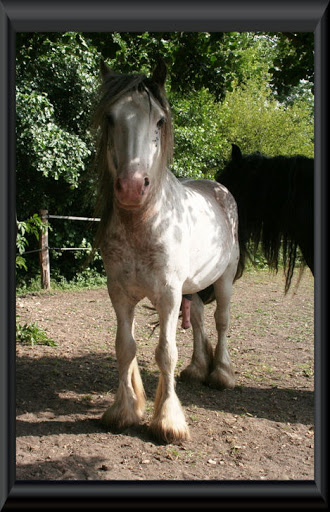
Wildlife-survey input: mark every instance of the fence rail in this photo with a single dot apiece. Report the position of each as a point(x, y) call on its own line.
point(44, 248)
point(68, 217)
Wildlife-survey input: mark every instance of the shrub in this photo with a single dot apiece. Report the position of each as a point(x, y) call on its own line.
point(31, 334)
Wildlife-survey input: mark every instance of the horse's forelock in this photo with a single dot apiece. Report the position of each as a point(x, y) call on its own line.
point(115, 86)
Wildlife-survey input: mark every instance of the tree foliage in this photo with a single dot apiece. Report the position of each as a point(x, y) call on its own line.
point(249, 116)
point(254, 119)
point(293, 62)
point(56, 84)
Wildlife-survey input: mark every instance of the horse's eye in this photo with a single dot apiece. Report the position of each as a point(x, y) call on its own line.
point(161, 122)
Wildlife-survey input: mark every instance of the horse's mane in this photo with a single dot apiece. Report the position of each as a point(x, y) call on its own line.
point(114, 87)
point(268, 192)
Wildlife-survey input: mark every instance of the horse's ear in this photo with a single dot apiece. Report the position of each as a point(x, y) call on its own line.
point(105, 70)
point(236, 153)
point(160, 73)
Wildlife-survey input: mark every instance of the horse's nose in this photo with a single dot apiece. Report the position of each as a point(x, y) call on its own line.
point(131, 190)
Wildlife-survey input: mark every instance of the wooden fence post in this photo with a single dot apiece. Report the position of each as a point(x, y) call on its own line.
point(44, 253)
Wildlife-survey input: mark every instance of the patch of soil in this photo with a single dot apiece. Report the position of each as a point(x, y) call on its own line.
point(262, 429)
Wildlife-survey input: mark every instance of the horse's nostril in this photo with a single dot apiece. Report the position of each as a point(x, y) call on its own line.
point(118, 185)
point(146, 182)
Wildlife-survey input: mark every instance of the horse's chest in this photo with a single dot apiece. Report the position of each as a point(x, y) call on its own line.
point(133, 262)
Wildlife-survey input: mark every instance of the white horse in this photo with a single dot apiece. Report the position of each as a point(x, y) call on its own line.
point(160, 238)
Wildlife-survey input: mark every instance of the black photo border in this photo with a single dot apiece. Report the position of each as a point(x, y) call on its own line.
point(162, 15)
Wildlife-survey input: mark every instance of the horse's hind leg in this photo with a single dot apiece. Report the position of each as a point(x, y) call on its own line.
point(129, 404)
point(202, 357)
point(222, 375)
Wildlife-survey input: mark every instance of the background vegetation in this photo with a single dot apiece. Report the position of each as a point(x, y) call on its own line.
point(252, 89)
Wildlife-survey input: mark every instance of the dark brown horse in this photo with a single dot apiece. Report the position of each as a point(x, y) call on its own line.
point(275, 200)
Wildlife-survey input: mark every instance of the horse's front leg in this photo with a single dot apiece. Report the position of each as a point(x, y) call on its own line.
point(168, 423)
point(129, 404)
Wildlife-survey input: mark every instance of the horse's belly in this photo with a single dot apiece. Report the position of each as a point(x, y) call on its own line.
point(203, 273)
point(210, 251)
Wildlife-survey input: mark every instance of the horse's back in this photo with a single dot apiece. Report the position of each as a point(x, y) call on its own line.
point(215, 194)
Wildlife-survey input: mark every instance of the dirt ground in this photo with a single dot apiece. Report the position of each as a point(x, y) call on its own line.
point(261, 430)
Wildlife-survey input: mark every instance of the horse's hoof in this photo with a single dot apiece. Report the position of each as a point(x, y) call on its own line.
point(221, 378)
point(169, 424)
point(193, 374)
point(114, 419)
point(167, 435)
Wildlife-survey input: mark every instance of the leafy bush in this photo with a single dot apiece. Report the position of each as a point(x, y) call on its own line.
point(31, 334)
point(31, 226)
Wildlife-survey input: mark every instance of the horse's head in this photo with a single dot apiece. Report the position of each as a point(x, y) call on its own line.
point(137, 124)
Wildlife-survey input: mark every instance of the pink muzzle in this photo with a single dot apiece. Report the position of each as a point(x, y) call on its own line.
point(132, 191)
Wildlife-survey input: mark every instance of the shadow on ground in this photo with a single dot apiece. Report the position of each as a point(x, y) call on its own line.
point(67, 386)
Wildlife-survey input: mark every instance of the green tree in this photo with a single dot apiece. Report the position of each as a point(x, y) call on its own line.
point(253, 119)
point(293, 63)
point(197, 135)
point(57, 80)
